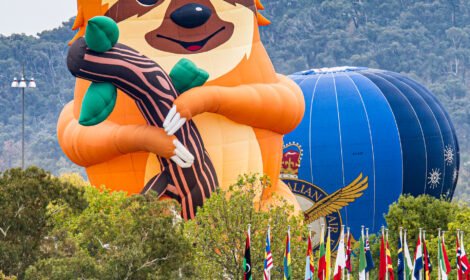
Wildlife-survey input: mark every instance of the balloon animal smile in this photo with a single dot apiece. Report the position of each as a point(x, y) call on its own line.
point(193, 46)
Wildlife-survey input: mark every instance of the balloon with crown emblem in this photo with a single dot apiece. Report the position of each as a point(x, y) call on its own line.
point(374, 134)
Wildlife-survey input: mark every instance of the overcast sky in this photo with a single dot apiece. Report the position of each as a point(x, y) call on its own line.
point(33, 16)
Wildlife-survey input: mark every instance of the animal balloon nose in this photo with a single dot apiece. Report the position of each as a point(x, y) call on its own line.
point(191, 15)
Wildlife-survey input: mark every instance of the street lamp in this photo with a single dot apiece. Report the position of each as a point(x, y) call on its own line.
point(23, 84)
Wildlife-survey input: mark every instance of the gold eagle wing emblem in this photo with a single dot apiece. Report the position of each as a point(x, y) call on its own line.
point(338, 199)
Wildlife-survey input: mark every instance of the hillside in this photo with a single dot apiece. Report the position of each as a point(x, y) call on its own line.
point(428, 40)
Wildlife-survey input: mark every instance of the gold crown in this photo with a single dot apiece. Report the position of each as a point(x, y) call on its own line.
point(291, 158)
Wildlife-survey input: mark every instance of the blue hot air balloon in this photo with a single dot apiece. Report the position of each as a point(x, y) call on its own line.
point(370, 132)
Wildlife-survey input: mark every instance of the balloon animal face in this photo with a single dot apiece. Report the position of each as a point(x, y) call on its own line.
point(215, 34)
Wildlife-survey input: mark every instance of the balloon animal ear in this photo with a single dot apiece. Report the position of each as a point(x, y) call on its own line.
point(98, 104)
point(186, 75)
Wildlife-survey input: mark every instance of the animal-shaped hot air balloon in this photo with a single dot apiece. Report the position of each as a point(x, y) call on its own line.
point(367, 137)
point(237, 118)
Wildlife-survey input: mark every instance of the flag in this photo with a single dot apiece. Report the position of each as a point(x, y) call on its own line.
point(369, 259)
point(328, 256)
point(389, 262)
point(463, 259)
point(408, 262)
point(247, 258)
point(362, 259)
point(383, 260)
point(340, 258)
point(427, 261)
point(401, 259)
point(268, 257)
point(458, 254)
point(309, 266)
point(322, 257)
point(287, 260)
point(444, 265)
point(348, 253)
point(418, 266)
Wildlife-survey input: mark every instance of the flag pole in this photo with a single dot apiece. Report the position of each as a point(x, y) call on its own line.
point(323, 239)
point(439, 254)
point(405, 241)
point(458, 239)
point(421, 244)
point(367, 238)
point(342, 236)
point(403, 253)
point(347, 240)
point(329, 245)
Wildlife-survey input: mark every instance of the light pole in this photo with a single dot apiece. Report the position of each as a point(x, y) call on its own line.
point(22, 84)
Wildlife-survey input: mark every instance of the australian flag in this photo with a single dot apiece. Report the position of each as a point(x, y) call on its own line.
point(369, 260)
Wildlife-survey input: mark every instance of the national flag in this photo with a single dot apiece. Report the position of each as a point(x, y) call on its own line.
point(444, 264)
point(389, 262)
point(247, 258)
point(362, 259)
point(287, 259)
point(328, 255)
point(458, 261)
point(369, 259)
point(427, 261)
point(463, 259)
point(418, 265)
point(309, 265)
point(340, 258)
point(348, 253)
point(408, 262)
point(268, 257)
point(383, 259)
point(322, 257)
point(401, 259)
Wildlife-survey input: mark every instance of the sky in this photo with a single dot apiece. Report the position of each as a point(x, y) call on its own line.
point(33, 16)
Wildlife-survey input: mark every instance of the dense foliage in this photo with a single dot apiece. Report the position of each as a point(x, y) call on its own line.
point(219, 231)
point(426, 39)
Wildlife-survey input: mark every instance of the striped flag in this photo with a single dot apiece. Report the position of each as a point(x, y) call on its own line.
point(247, 257)
point(444, 265)
point(389, 262)
point(309, 264)
point(418, 266)
point(268, 257)
point(322, 257)
point(287, 259)
point(463, 259)
point(408, 262)
point(383, 259)
point(427, 261)
point(328, 255)
point(362, 259)
point(348, 254)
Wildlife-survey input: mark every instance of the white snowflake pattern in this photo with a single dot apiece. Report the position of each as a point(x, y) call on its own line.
point(434, 178)
point(455, 175)
point(449, 155)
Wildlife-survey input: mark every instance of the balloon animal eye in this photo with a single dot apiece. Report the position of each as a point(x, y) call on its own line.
point(147, 2)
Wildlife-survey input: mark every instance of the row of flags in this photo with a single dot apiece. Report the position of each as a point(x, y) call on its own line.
point(417, 268)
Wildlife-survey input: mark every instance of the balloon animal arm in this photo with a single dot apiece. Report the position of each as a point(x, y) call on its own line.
point(87, 146)
point(278, 107)
point(338, 199)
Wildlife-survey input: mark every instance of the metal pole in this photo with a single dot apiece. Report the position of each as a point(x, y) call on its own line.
point(367, 238)
point(439, 256)
point(22, 137)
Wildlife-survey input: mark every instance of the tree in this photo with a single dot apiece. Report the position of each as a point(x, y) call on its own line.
point(25, 199)
point(115, 237)
point(218, 233)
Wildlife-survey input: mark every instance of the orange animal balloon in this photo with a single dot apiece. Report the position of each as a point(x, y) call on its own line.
point(242, 112)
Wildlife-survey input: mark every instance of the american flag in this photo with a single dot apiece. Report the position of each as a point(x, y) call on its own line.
point(268, 259)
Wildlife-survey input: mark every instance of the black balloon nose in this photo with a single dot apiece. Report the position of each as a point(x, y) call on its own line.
point(191, 15)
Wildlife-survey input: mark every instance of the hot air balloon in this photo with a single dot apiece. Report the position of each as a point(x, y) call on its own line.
point(367, 137)
point(137, 138)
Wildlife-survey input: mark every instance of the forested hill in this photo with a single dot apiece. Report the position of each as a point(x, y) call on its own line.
point(428, 40)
